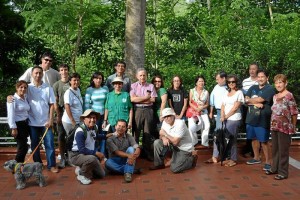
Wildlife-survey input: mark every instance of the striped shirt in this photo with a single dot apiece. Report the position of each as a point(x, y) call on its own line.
point(95, 99)
point(247, 83)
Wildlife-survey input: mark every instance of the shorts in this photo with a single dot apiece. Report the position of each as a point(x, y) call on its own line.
point(259, 133)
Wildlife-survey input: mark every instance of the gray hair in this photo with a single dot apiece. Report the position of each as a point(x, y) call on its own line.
point(141, 69)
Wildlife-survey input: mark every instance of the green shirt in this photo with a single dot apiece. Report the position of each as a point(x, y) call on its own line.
point(157, 104)
point(59, 89)
point(118, 106)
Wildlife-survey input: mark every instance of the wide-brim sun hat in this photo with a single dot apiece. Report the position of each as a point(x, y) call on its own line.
point(89, 112)
point(117, 80)
point(167, 112)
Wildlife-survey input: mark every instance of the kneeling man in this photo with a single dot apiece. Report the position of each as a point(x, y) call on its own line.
point(123, 151)
point(84, 154)
point(174, 136)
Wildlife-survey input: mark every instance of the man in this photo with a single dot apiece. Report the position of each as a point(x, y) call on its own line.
point(174, 136)
point(142, 95)
point(123, 151)
point(60, 88)
point(84, 154)
point(50, 75)
point(259, 98)
point(41, 100)
point(252, 80)
point(247, 83)
point(120, 68)
point(216, 97)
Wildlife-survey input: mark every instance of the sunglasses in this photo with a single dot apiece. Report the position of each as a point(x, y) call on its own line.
point(231, 82)
point(48, 60)
point(157, 81)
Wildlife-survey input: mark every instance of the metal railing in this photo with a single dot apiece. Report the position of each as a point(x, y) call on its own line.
point(4, 141)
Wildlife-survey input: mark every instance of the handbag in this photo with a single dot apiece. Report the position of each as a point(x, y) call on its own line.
point(190, 112)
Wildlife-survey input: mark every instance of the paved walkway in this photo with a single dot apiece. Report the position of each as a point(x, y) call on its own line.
point(206, 181)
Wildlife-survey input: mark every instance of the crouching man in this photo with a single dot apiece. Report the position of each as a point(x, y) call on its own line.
point(123, 151)
point(84, 154)
point(174, 136)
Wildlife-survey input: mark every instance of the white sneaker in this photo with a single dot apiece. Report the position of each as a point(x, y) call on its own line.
point(83, 180)
point(77, 169)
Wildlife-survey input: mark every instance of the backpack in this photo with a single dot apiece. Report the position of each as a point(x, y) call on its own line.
point(71, 135)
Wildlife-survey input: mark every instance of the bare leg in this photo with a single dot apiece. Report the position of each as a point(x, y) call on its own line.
point(255, 147)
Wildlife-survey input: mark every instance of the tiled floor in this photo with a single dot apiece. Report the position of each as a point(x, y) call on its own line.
point(206, 181)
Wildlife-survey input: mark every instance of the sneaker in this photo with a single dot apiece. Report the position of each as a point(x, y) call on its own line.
point(62, 164)
point(54, 169)
point(127, 177)
point(253, 162)
point(267, 167)
point(84, 180)
point(77, 170)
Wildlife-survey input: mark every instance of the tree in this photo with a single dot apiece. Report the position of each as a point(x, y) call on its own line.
point(135, 35)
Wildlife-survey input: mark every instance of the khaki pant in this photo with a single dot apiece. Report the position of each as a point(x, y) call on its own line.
point(89, 165)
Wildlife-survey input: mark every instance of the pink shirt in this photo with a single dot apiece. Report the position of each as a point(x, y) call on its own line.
point(282, 111)
point(139, 90)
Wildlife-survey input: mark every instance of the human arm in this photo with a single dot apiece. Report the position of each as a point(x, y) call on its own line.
point(104, 124)
point(49, 123)
point(87, 99)
point(80, 141)
point(11, 118)
point(185, 103)
point(69, 113)
point(130, 118)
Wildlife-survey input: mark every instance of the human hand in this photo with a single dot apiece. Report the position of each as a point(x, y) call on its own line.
point(165, 141)
point(10, 99)
point(14, 132)
point(100, 155)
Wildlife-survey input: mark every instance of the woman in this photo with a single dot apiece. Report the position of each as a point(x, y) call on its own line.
point(231, 115)
point(95, 98)
point(17, 114)
point(73, 104)
point(117, 106)
point(283, 125)
point(199, 101)
point(178, 97)
point(161, 99)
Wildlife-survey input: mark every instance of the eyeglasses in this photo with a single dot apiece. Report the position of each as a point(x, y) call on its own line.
point(48, 60)
point(231, 82)
point(157, 81)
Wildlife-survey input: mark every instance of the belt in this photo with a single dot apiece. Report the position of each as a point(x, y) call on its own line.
point(142, 106)
point(26, 120)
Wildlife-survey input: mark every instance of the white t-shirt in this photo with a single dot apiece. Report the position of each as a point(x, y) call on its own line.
point(75, 102)
point(228, 102)
point(179, 129)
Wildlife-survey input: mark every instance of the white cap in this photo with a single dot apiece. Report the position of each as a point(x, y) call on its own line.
point(167, 112)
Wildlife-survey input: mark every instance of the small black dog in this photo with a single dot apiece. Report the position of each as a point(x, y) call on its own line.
point(22, 172)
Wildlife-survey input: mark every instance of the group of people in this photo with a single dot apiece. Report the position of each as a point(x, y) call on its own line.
point(156, 115)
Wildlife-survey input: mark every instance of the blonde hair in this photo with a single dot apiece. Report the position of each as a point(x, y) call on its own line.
point(280, 77)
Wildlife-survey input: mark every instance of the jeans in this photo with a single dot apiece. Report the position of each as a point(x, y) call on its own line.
point(119, 164)
point(35, 134)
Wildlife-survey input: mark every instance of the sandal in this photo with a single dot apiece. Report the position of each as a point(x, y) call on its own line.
point(269, 172)
point(279, 177)
point(231, 163)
